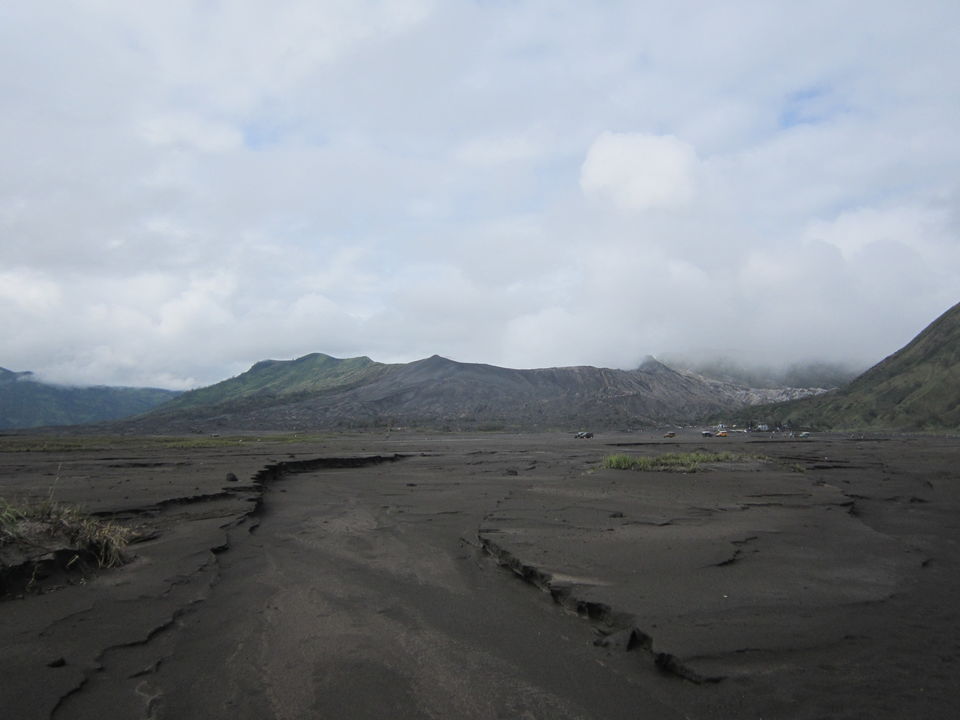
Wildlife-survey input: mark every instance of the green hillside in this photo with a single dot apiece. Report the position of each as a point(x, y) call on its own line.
point(916, 388)
point(310, 374)
point(27, 403)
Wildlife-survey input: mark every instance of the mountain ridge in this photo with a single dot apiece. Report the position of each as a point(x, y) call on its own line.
point(26, 402)
point(322, 392)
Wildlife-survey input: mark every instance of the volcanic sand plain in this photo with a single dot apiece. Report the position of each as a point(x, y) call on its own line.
point(492, 575)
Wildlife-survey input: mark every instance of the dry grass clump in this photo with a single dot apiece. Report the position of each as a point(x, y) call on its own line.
point(38, 529)
point(672, 462)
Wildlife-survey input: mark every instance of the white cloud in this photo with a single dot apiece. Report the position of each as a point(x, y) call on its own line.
point(231, 56)
point(29, 292)
point(493, 151)
point(190, 187)
point(855, 230)
point(637, 171)
point(187, 130)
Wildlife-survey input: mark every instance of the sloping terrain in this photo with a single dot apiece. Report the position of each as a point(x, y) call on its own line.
point(916, 388)
point(268, 379)
point(318, 391)
point(28, 403)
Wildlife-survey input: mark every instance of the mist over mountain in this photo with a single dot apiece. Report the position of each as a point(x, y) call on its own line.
point(915, 388)
point(26, 402)
point(809, 374)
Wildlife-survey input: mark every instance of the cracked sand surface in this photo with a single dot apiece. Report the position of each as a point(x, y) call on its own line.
point(327, 584)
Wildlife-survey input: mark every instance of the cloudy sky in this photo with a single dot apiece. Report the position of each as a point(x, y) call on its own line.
point(188, 187)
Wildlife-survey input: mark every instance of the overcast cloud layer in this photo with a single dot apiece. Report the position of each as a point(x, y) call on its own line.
point(189, 187)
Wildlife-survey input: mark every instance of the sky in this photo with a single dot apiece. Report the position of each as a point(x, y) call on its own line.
point(190, 186)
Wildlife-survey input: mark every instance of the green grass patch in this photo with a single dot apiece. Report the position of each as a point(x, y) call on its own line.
point(672, 462)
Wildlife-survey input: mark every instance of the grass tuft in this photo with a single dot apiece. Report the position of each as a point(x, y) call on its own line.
point(49, 526)
point(9, 516)
point(672, 462)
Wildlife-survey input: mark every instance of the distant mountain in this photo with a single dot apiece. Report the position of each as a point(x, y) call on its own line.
point(916, 388)
point(28, 403)
point(318, 391)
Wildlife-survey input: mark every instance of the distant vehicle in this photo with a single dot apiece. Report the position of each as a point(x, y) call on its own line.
point(707, 433)
point(803, 435)
point(583, 435)
point(722, 433)
point(670, 434)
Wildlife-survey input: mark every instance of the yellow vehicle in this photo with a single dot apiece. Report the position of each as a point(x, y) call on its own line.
point(722, 433)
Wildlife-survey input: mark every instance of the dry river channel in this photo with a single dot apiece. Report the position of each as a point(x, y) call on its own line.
point(495, 576)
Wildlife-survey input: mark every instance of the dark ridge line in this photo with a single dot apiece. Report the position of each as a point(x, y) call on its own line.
point(614, 623)
point(72, 691)
point(277, 471)
point(267, 474)
point(183, 500)
point(148, 670)
point(729, 561)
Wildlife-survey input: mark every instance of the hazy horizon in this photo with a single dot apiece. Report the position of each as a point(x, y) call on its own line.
point(714, 366)
point(192, 187)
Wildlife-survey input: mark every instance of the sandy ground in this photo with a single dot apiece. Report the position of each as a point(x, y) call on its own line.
point(495, 576)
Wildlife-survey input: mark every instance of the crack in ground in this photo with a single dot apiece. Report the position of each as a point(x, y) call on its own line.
point(108, 664)
point(617, 628)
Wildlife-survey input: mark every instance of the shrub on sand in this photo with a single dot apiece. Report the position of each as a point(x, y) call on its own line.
point(670, 462)
point(41, 528)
